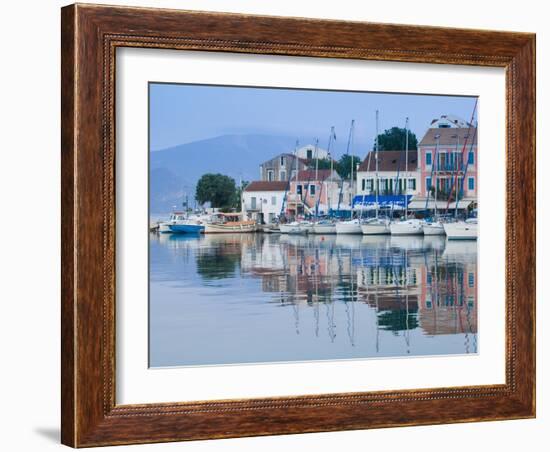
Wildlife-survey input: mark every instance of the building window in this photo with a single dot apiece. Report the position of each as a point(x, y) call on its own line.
point(270, 175)
point(309, 154)
point(299, 189)
point(471, 158)
point(428, 158)
point(470, 280)
point(363, 184)
point(274, 200)
point(293, 174)
point(282, 161)
point(428, 183)
point(253, 202)
point(282, 175)
point(412, 184)
point(312, 190)
point(470, 183)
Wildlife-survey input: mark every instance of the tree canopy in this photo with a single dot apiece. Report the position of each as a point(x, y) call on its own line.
point(344, 165)
point(394, 140)
point(218, 189)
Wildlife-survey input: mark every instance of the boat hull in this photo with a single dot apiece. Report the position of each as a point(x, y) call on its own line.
point(434, 229)
point(186, 228)
point(348, 228)
point(324, 229)
point(406, 228)
point(461, 231)
point(211, 228)
point(164, 228)
point(293, 228)
point(375, 229)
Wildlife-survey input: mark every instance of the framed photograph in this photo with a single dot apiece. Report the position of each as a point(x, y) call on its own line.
point(281, 225)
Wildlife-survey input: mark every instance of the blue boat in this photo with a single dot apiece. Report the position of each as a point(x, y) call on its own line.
point(187, 228)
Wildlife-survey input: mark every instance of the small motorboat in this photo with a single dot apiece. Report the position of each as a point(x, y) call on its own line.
point(189, 227)
point(175, 218)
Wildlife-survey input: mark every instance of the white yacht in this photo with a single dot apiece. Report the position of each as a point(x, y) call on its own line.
point(462, 230)
point(175, 218)
point(407, 227)
point(376, 226)
point(349, 227)
point(296, 227)
point(324, 227)
point(433, 228)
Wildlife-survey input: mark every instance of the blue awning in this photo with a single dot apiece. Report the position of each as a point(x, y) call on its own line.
point(368, 202)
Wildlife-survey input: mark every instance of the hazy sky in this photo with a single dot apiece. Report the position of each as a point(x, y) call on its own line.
point(184, 113)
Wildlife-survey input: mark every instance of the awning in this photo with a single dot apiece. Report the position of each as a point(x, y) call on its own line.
point(420, 204)
point(369, 202)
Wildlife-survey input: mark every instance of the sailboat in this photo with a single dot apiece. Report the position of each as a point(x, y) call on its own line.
point(353, 225)
point(326, 226)
point(407, 226)
point(462, 230)
point(377, 225)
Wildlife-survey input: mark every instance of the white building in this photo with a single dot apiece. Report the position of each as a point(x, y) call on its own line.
point(263, 200)
point(395, 175)
point(309, 152)
point(449, 122)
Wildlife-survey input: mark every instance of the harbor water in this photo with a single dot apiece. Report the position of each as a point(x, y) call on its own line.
point(264, 298)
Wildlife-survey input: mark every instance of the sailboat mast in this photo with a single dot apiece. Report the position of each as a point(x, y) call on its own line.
point(436, 163)
point(350, 149)
point(457, 169)
point(406, 166)
point(296, 175)
point(376, 160)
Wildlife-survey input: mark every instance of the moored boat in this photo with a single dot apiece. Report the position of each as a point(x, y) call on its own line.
point(376, 226)
point(230, 223)
point(407, 227)
point(296, 227)
point(190, 227)
point(462, 230)
point(433, 228)
point(324, 227)
point(349, 227)
point(175, 218)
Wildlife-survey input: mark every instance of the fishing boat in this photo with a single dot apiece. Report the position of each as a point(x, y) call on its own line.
point(187, 227)
point(462, 230)
point(349, 227)
point(412, 226)
point(230, 223)
point(376, 226)
point(324, 227)
point(175, 218)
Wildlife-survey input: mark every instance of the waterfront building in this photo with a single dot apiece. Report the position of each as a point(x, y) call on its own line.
point(263, 200)
point(283, 166)
point(395, 175)
point(457, 157)
point(317, 192)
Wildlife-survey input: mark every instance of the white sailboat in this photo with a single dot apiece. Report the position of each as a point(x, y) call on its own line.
point(324, 227)
point(377, 225)
point(353, 225)
point(407, 226)
point(462, 230)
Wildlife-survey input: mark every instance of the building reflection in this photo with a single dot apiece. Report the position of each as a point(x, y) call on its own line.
point(409, 283)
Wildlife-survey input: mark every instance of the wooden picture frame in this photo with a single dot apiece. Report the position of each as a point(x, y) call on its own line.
point(90, 36)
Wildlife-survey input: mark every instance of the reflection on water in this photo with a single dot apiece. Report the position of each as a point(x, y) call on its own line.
point(248, 298)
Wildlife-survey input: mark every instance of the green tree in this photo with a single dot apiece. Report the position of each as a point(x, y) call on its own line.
point(344, 165)
point(218, 189)
point(323, 164)
point(394, 140)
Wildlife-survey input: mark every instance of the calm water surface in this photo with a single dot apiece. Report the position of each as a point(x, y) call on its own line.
point(253, 298)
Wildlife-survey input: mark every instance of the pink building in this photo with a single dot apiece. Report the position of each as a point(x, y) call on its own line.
point(455, 162)
point(315, 189)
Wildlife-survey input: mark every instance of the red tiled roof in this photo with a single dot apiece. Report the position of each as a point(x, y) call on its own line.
point(389, 161)
point(309, 174)
point(448, 136)
point(261, 185)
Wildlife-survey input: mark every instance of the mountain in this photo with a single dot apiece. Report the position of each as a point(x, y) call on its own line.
point(176, 170)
